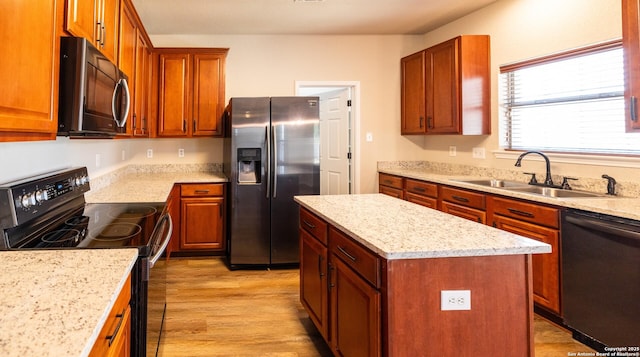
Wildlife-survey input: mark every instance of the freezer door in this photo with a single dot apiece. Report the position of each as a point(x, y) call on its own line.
point(249, 236)
point(296, 170)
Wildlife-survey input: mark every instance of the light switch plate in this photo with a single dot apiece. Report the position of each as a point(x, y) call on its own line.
point(455, 300)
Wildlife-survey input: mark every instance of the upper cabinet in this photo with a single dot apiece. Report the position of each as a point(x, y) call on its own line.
point(96, 21)
point(29, 70)
point(190, 92)
point(446, 88)
point(631, 44)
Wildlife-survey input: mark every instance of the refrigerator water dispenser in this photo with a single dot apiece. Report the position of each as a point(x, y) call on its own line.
point(249, 165)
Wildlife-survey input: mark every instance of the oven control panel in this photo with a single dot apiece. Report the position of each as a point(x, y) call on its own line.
point(28, 198)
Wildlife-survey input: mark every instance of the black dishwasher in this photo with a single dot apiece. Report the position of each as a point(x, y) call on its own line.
point(601, 278)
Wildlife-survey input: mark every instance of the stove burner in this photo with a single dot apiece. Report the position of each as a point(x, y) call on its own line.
point(61, 238)
point(116, 231)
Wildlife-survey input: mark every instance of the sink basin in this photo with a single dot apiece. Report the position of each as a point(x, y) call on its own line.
point(495, 183)
point(556, 192)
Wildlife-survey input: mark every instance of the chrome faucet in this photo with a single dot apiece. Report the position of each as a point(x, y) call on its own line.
point(547, 180)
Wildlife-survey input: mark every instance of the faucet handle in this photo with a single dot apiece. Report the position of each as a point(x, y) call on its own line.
point(565, 182)
point(611, 184)
point(533, 180)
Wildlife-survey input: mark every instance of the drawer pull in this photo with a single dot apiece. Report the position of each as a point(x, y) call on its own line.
point(311, 226)
point(419, 189)
point(202, 192)
point(521, 213)
point(460, 199)
point(113, 336)
point(343, 251)
point(389, 182)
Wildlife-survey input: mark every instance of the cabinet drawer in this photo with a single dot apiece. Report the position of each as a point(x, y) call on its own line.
point(421, 188)
point(354, 255)
point(471, 214)
point(205, 189)
point(391, 181)
point(525, 211)
point(462, 197)
point(421, 200)
point(390, 191)
point(314, 225)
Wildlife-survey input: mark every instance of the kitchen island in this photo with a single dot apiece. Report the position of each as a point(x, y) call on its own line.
point(374, 268)
point(56, 302)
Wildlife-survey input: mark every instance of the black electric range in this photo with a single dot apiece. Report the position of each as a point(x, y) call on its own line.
point(49, 211)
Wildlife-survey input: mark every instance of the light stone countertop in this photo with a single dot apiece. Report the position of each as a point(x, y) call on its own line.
point(148, 186)
point(627, 207)
point(397, 229)
point(55, 302)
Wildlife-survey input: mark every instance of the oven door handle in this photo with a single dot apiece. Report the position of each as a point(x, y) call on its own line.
point(166, 239)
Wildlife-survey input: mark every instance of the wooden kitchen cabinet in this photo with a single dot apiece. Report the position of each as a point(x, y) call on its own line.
point(114, 339)
point(451, 94)
point(422, 193)
point(631, 44)
point(173, 207)
point(463, 203)
point(391, 185)
point(29, 105)
point(202, 217)
point(191, 94)
point(134, 58)
point(541, 223)
point(314, 289)
point(97, 21)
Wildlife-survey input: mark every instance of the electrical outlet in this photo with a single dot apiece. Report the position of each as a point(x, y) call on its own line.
point(478, 153)
point(369, 137)
point(452, 151)
point(455, 300)
point(180, 152)
point(149, 153)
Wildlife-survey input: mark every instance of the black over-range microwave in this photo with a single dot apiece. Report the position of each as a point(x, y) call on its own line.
point(94, 96)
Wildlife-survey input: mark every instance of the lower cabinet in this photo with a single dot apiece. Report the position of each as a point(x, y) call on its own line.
point(313, 281)
point(115, 337)
point(202, 217)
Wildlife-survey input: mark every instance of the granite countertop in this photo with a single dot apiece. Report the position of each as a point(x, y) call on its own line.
point(147, 186)
point(55, 302)
point(627, 207)
point(397, 229)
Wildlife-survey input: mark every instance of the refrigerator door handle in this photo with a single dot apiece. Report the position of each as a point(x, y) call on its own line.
point(275, 161)
point(268, 140)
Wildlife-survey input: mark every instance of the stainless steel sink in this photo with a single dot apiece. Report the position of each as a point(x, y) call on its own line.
point(495, 183)
point(556, 192)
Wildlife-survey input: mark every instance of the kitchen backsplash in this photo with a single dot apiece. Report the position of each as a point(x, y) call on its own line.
point(105, 180)
point(624, 189)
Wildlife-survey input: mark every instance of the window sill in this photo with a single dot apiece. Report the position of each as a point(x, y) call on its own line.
point(579, 159)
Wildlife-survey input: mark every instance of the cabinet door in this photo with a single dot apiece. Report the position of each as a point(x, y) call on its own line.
point(141, 91)
point(110, 31)
point(442, 89)
point(313, 281)
point(208, 95)
point(413, 94)
point(174, 94)
point(202, 222)
point(631, 43)
point(29, 70)
point(80, 19)
point(546, 267)
point(127, 58)
point(355, 313)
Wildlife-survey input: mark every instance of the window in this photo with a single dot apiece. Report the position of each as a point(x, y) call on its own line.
point(569, 102)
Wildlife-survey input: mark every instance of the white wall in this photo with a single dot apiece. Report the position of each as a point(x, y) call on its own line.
point(519, 30)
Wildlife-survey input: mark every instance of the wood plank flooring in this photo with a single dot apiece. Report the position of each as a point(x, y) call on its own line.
point(212, 311)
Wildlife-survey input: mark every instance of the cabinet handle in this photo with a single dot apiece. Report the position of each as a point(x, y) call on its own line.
point(343, 251)
point(309, 224)
point(320, 259)
point(194, 125)
point(429, 123)
point(521, 213)
point(202, 192)
point(460, 199)
point(388, 182)
point(329, 283)
point(633, 108)
point(112, 337)
point(134, 122)
point(184, 126)
point(495, 225)
point(99, 32)
point(421, 121)
point(479, 220)
point(419, 189)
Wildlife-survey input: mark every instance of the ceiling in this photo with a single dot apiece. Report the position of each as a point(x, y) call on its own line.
point(301, 17)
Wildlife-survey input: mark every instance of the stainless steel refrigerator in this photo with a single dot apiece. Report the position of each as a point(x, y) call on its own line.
point(271, 153)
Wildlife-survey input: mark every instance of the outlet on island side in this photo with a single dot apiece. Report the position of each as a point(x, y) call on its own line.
point(455, 300)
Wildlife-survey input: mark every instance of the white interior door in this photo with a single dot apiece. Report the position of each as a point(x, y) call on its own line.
point(335, 145)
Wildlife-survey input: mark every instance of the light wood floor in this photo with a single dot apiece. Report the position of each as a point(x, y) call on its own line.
point(212, 311)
